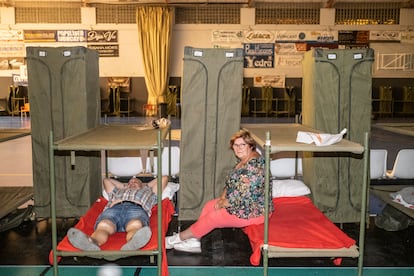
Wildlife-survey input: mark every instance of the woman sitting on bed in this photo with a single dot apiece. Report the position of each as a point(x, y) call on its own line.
point(128, 210)
point(241, 203)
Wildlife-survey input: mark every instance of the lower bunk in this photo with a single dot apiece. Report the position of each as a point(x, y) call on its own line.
point(115, 241)
point(297, 228)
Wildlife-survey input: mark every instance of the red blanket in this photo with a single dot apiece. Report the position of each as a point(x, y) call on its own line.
point(297, 223)
point(87, 222)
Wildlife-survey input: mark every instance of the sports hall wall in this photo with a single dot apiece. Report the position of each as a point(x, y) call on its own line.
point(128, 62)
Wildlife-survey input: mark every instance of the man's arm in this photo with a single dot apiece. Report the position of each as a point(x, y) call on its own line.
point(109, 184)
point(153, 184)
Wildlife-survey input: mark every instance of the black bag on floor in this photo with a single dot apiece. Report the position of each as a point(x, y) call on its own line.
point(392, 219)
point(15, 218)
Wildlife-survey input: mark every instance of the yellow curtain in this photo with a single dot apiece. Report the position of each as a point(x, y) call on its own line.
point(154, 36)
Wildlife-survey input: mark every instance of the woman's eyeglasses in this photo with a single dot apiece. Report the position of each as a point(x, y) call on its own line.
point(241, 146)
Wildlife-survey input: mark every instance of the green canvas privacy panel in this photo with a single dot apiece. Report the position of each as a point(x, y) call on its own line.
point(336, 94)
point(64, 97)
point(211, 107)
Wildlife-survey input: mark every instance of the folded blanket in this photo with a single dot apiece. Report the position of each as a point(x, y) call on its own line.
point(320, 139)
point(404, 197)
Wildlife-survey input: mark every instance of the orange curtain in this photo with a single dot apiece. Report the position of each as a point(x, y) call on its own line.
point(154, 35)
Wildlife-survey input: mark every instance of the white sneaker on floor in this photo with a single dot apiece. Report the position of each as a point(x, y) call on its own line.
point(190, 245)
point(170, 241)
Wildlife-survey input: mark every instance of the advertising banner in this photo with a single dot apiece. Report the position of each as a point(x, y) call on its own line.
point(9, 49)
point(407, 37)
point(262, 36)
point(71, 36)
point(102, 36)
point(106, 50)
point(11, 35)
point(385, 36)
point(39, 35)
point(275, 81)
point(12, 55)
point(259, 55)
point(353, 39)
point(226, 36)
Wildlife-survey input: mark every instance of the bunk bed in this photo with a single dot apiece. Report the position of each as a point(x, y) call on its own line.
point(383, 192)
point(11, 198)
point(272, 245)
point(102, 139)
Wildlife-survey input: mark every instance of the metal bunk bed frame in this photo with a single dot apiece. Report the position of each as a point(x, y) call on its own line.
point(128, 137)
point(284, 137)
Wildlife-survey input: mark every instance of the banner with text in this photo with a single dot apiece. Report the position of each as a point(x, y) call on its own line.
point(259, 55)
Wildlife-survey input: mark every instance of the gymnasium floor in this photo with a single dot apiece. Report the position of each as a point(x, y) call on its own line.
point(25, 249)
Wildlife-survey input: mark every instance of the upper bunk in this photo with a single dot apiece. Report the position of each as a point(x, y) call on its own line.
point(283, 138)
point(114, 137)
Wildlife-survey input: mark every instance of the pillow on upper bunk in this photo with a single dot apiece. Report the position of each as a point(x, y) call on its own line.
point(168, 192)
point(289, 188)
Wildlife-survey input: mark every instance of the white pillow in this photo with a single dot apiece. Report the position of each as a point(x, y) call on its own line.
point(168, 192)
point(289, 187)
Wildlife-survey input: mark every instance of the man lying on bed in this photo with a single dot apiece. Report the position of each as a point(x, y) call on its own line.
point(128, 210)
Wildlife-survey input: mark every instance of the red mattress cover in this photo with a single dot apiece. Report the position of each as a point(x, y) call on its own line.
point(297, 223)
point(87, 222)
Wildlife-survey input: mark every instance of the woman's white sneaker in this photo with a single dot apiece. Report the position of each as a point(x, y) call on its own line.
point(191, 245)
point(170, 241)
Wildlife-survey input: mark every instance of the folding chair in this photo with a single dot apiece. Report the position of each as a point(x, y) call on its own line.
point(378, 163)
point(403, 165)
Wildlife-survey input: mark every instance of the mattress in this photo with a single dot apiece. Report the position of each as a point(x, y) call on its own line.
point(115, 241)
point(298, 229)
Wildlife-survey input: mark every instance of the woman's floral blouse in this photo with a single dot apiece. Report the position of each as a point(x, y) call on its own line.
point(246, 190)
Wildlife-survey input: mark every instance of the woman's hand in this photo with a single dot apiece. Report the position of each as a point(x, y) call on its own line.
point(221, 203)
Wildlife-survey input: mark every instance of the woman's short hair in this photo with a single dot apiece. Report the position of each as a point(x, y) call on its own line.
point(247, 138)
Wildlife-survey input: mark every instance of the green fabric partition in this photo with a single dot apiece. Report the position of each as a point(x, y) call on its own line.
point(336, 94)
point(211, 107)
point(64, 97)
